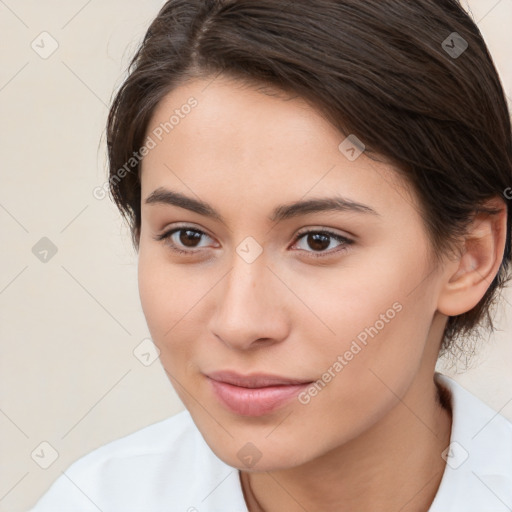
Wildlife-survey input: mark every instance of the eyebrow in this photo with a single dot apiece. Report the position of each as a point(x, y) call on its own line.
point(282, 212)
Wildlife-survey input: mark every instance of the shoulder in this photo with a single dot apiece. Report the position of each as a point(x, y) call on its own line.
point(162, 464)
point(478, 472)
point(171, 435)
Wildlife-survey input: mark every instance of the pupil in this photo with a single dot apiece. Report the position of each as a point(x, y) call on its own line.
point(318, 241)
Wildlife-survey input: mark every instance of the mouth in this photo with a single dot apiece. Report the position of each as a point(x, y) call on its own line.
point(256, 394)
point(255, 380)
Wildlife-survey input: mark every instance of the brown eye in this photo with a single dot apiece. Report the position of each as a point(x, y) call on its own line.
point(183, 239)
point(322, 243)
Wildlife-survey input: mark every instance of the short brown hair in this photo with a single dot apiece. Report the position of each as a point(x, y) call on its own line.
point(413, 80)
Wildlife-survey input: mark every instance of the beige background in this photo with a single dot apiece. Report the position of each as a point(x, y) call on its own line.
point(69, 326)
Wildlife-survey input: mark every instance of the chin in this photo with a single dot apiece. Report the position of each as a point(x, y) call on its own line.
point(269, 461)
point(252, 449)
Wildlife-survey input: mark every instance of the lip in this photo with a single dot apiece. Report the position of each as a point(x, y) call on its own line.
point(255, 394)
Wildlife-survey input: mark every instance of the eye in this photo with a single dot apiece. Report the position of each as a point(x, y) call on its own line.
point(320, 242)
point(181, 238)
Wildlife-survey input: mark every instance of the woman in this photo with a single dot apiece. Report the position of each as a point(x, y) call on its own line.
point(316, 192)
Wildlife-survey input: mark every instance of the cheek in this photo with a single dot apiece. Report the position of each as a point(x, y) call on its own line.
point(175, 300)
point(166, 290)
point(154, 292)
point(378, 330)
point(357, 382)
point(347, 304)
point(166, 294)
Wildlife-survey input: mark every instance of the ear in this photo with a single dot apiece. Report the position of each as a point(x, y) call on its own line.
point(468, 277)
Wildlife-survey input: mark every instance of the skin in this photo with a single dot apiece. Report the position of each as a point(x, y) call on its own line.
point(372, 438)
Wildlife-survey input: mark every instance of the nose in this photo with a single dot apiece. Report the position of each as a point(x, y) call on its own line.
point(250, 310)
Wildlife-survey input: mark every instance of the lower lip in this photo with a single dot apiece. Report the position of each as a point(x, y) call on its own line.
point(255, 401)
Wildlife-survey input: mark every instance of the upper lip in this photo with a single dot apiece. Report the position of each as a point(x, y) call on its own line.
point(254, 380)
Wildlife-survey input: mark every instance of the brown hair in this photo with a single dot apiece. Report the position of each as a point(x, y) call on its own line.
point(393, 73)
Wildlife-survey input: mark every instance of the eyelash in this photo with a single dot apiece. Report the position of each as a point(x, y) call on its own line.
point(166, 238)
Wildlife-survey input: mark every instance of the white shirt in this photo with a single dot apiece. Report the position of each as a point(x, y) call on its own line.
point(169, 467)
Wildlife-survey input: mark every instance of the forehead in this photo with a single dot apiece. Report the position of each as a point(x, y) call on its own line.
point(239, 141)
point(229, 113)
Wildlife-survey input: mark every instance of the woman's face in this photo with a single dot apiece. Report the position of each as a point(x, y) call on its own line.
point(309, 263)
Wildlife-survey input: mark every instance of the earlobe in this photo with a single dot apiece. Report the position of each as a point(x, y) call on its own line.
point(470, 275)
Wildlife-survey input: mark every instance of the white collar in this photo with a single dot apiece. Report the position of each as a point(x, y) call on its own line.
point(478, 472)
